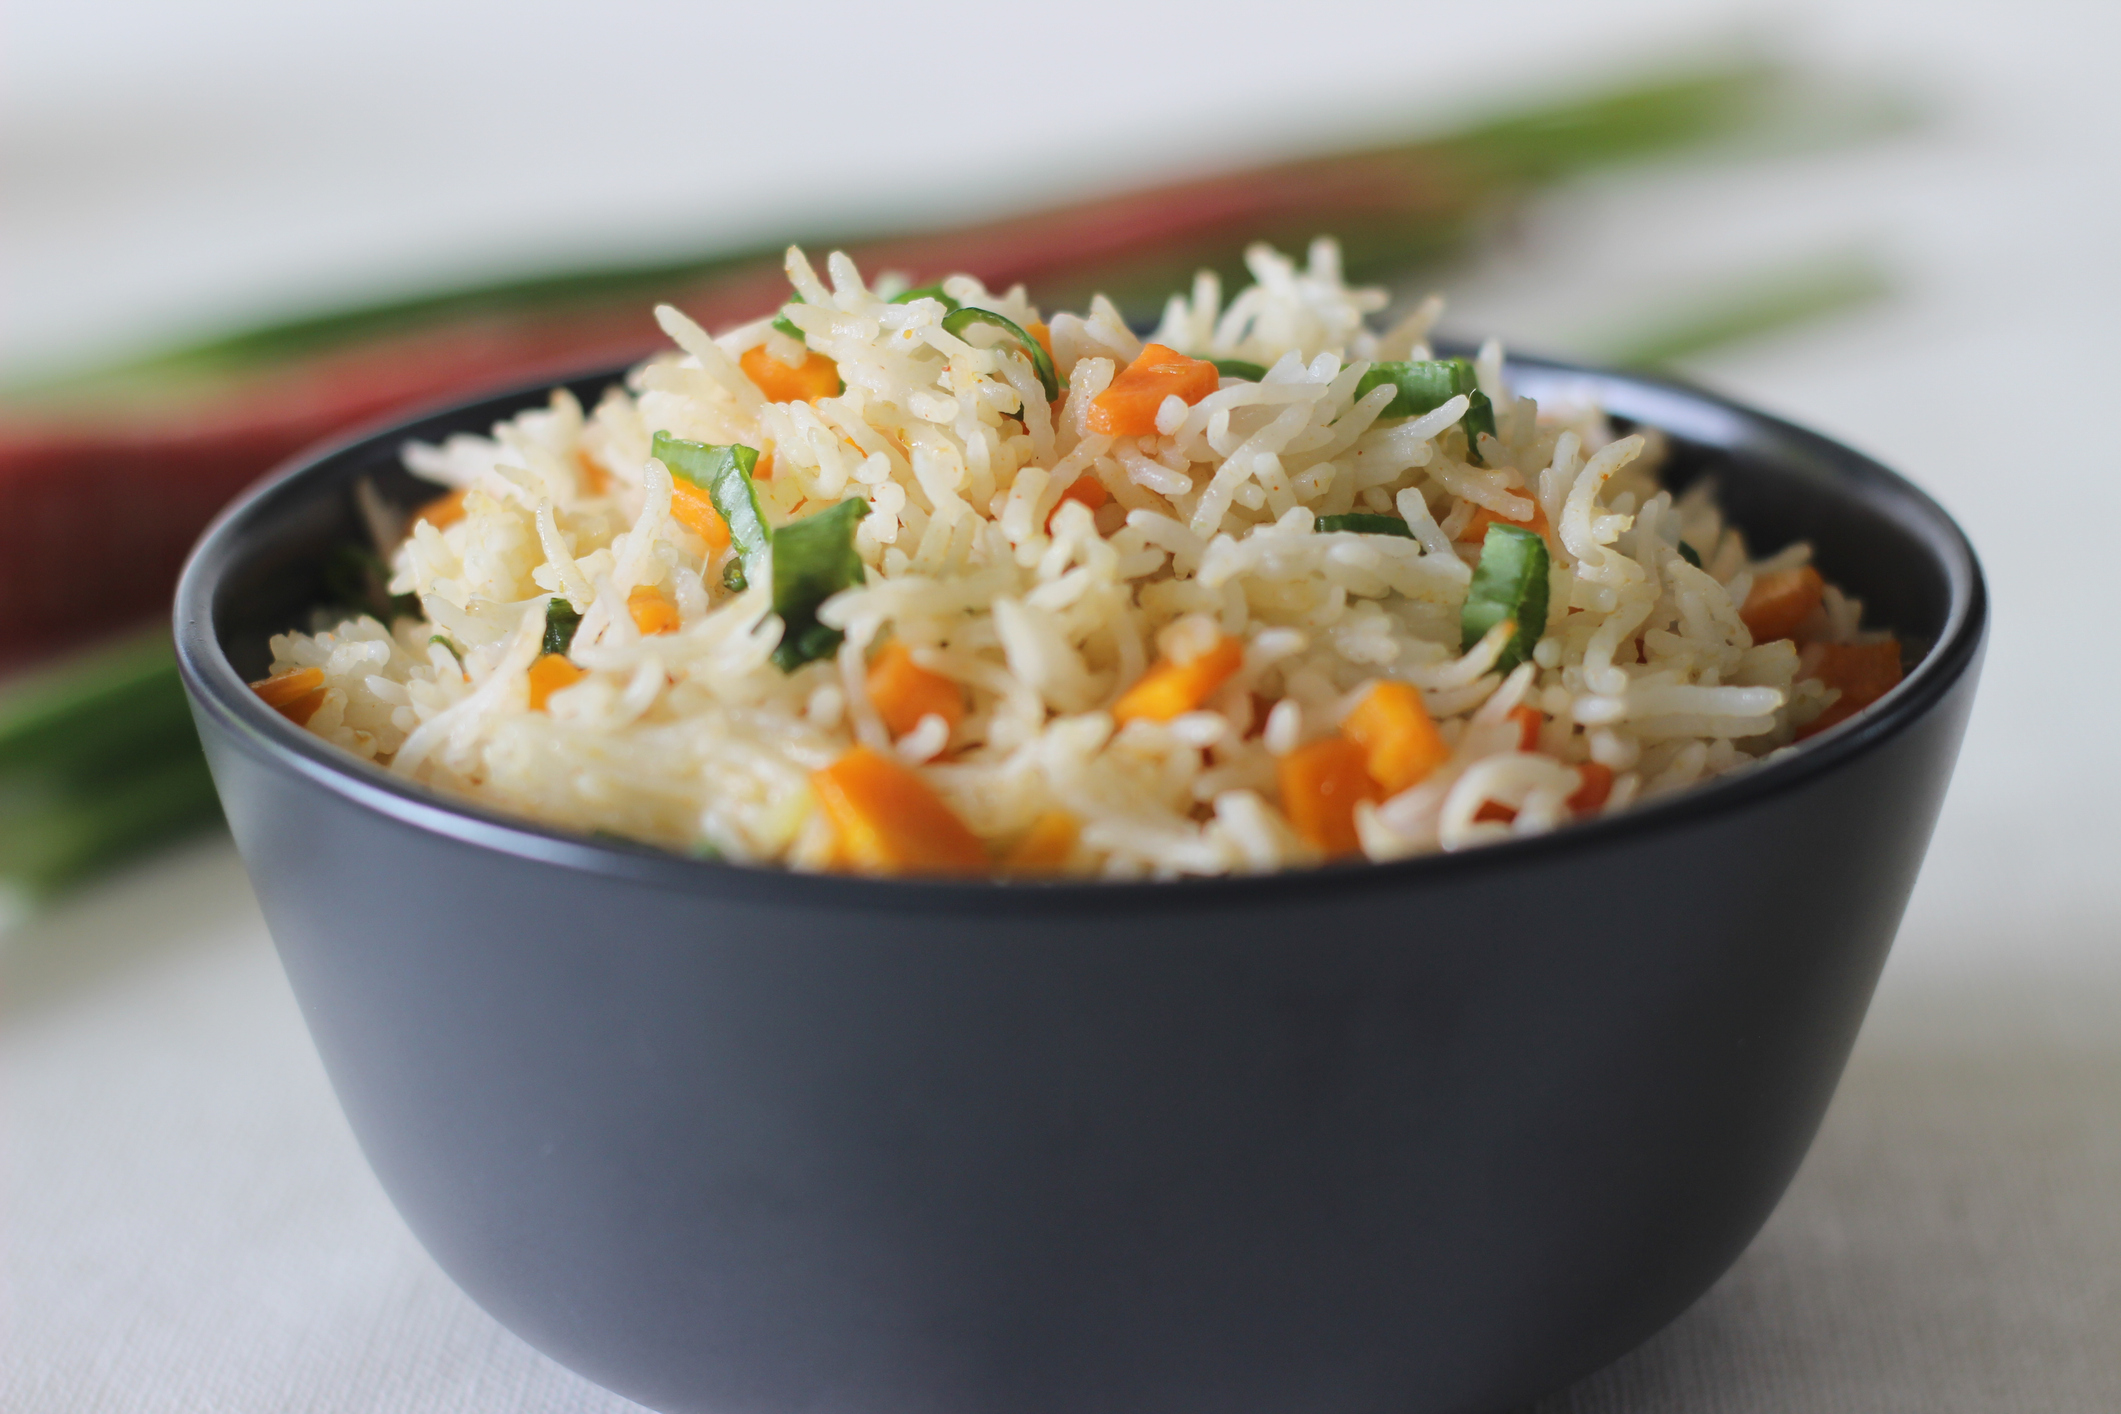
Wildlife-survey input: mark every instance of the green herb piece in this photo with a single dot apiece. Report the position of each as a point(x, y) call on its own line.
point(959, 320)
point(705, 849)
point(1425, 385)
point(561, 620)
point(1509, 585)
point(787, 326)
point(1691, 555)
point(1362, 524)
point(1479, 418)
point(724, 473)
point(356, 578)
point(934, 292)
point(1238, 368)
point(813, 559)
point(733, 578)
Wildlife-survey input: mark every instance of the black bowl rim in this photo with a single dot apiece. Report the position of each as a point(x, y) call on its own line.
point(219, 691)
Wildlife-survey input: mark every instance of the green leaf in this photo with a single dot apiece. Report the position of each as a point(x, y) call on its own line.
point(813, 559)
point(561, 620)
point(724, 473)
point(1361, 524)
point(1509, 585)
point(959, 320)
point(1238, 368)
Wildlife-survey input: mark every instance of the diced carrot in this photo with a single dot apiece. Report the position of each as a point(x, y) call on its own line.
point(1046, 847)
point(1781, 601)
point(762, 470)
point(1400, 741)
point(652, 610)
point(1171, 689)
point(1864, 672)
point(1128, 407)
point(443, 511)
point(595, 479)
point(1595, 783)
point(887, 820)
point(1529, 720)
point(548, 675)
point(1321, 784)
point(282, 688)
point(903, 692)
point(1495, 810)
point(1037, 330)
point(1476, 530)
point(1085, 488)
point(818, 377)
point(694, 509)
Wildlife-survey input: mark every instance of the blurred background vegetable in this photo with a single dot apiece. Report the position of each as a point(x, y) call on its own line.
point(126, 464)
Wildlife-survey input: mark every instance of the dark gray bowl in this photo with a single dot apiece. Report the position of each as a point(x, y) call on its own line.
point(1438, 1135)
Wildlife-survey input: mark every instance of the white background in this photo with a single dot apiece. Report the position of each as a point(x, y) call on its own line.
point(186, 1224)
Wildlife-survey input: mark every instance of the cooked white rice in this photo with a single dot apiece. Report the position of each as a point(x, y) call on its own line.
point(694, 740)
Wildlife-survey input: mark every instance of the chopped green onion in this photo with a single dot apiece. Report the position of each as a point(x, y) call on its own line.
point(724, 473)
point(1509, 586)
point(786, 325)
point(1691, 555)
point(356, 578)
point(934, 292)
point(1421, 386)
point(1479, 418)
point(1425, 385)
point(1238, 368)
point(959, 320)
point(813, 559)
point(1361, 524)
point(561, 620)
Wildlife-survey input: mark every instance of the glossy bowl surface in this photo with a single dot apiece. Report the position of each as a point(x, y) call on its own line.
point(1431, 1136)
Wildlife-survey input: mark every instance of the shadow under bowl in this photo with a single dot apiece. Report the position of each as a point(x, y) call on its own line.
point(1438, 1135)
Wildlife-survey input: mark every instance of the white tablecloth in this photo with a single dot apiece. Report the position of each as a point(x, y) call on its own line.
point(186, 1224)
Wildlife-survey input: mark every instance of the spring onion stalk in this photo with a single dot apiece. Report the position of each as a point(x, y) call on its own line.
point(97, 760)
point(1509, 586)
point(1239, 368)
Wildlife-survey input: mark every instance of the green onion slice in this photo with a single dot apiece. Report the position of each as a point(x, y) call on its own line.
point(934, 292)
point(1425, 385)
point(1362, 524)
point(724, 473)
point(561, 620)
point(1509, 585)
point(1691, 555)
point(787, 326)
point(813, 559)
point(1238, 368)
point(959, 320)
